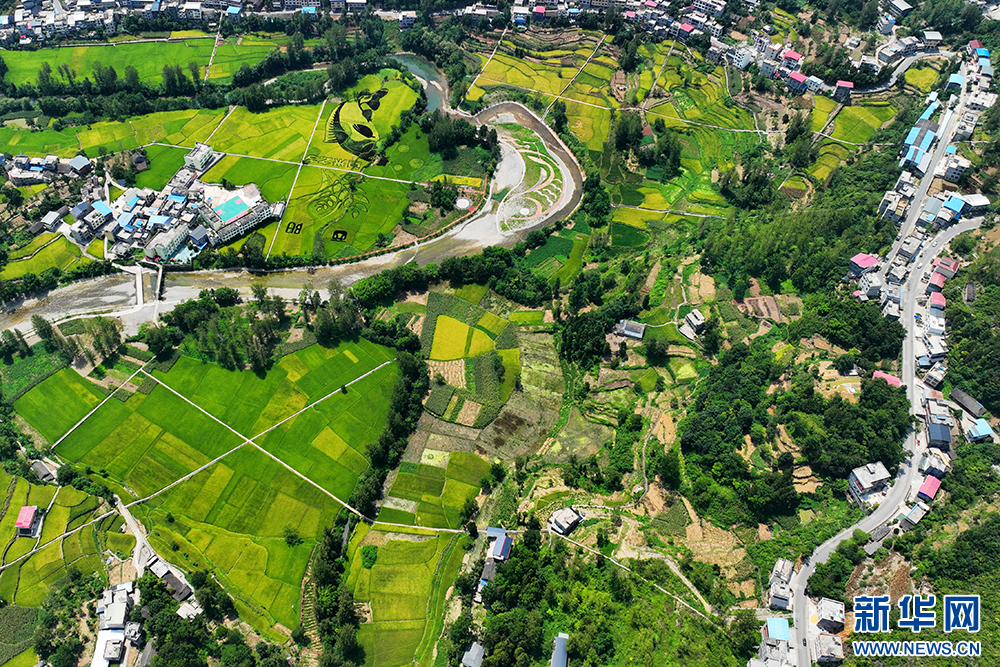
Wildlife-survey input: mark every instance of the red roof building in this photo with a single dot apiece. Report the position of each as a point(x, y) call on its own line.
point(792, 55)
point(863, 262)
point(797, 76)
point(26, 518)
point(845, 84)
point(936, 283)
point(687, 27)
point(891, 379)
point(938, 300)
point(946, 266)
point(929, 488)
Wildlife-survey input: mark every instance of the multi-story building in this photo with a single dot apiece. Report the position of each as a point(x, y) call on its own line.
point(166, 244)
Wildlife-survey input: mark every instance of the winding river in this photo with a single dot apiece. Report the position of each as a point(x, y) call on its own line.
point(105, 294)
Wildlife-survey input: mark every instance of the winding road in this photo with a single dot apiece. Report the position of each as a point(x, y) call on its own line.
point(907, 475)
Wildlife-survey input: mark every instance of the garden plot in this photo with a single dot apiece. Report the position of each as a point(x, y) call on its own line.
point(433, 496)
point(561, 256)
point(405, 591)
point(857, 124)
point(231, 518)
point(455, 329)
point(541, 188)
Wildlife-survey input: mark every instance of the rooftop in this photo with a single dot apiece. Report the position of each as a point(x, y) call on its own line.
point(26, 516)
point(777, 628)
point(930, 487)
point(864, 260)
point(891, 379)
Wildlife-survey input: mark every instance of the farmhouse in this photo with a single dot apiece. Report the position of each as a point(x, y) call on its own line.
point(779, 592)
point(829, 649)
point(967, 403)
point(892, 380)
point(862, 263)
point(979, 430)
point(474, 656)
point(27, 521)
point(559, 656)
point(630, 329)
point(929, 488)
point(831, 615)
point(696, 320)
point(564, 520)
point(866, 483)
point(939, 435)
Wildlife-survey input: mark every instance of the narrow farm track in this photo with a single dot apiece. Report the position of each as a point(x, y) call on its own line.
point(578, 72)
point(486, 64)
point(96, 408)
point(296, 179)
point(628, 569)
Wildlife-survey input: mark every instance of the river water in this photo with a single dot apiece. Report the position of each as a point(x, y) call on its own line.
point(435, 83)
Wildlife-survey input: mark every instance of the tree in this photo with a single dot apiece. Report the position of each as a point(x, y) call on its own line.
point(45, 331)
point(628, 132)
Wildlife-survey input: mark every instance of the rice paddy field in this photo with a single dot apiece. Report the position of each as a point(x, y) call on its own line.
point(273, 178)
point(60, 253)
point(857, 124)
point(230, 516)
point(590, 124)
point(180, 128)
point(406, 591)
point(326, 201)
point(432, 495)
point(822, 108)
point(280, 133)
point(27, 582)
point(164, 161)
point(545, 78)
point(230, 519)
point(922, 76)
point(399, 96)
point(148, 58)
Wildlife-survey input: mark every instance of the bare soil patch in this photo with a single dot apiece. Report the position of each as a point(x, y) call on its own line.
point(452, 371)
point(467, 415)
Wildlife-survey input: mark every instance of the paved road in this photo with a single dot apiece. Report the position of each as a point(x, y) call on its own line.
point(906, 476)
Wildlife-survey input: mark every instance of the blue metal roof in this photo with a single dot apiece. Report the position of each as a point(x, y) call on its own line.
point(929, 111)
point(104, 209)
point(956, 79)
point(981, 429)
point(939, 433)
point(236, 10)
point(987, 70)
point(161, 220)
point(950, 150)
point(180, 198)
point(125, 220)
point(955, 204)
point(925, 143)
point(911, 136)
point(983, 53)
point(777, 628)
point(132, 202)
